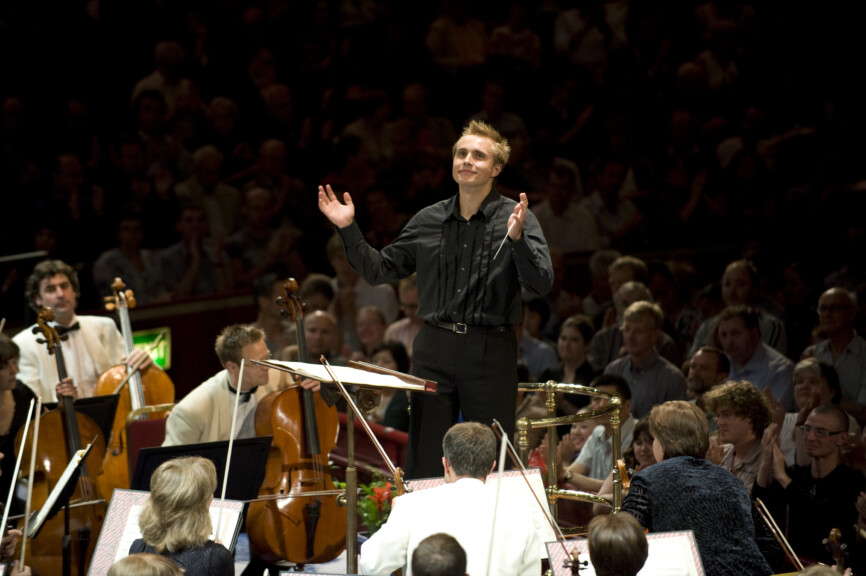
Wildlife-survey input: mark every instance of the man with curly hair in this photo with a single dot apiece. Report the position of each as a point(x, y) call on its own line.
point(742, 414)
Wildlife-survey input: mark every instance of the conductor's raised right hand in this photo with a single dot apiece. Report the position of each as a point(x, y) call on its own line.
point(341, 214)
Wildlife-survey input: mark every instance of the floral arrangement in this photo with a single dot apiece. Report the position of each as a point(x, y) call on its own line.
point(374, 502)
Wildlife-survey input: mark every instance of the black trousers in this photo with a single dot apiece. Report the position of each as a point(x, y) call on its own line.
point(476, 375)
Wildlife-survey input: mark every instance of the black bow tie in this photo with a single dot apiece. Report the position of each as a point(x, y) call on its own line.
point(245, 396)
point(67, 329)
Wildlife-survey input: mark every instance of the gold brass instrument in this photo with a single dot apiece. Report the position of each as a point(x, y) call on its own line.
point(524, 425)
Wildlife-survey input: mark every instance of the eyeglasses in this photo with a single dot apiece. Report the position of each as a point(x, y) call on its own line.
point(819, 432)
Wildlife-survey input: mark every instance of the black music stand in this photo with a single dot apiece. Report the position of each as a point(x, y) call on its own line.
point(249, 459)
point(57, 499)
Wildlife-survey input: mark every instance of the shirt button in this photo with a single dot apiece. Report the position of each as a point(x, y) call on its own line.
point(460, 290)
point(463, 268)
point(465, 245)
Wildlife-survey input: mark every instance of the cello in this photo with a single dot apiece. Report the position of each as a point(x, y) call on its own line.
point(138, 389)
point(299, 528)
point(87, 508)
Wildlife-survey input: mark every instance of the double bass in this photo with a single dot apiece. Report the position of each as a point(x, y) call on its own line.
point(138, 389)
point(294, 521)
point(87, 507)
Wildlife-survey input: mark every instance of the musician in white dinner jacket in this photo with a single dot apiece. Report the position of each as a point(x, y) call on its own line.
point(464, 508)
point(93, 344)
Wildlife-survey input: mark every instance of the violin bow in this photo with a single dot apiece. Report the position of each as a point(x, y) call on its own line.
point(396, 472)
point(506, 445)
point(15, 473)
point(218, 528)
point(34, 443)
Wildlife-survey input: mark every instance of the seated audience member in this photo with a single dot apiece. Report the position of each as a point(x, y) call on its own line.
point(539, 356)
point(352, 293)
point(742, 413)
point(820, 496)
point(843, 348)
point(708, 367)
point(815, 383)
point(463, 507)
point(599, 297)
point(638, 456)
point(258, 247)
point(626, 269)
point(137, 267)
point(595, 460)
point(439, 555)
point(752, 359)
point(740, 284)
point(567, 226)
point(145, 565)
point(321, 336)
point(615, 217)
point(405, 329)
point(617, 545)
point(194, 266)
point(175, 521)
point(279, 332)
point(652, 379)
point(575, 338)
point(685, 491)
point(221, 202)
point(316, 292)
point(607, 345)
point(370, 326)
point(393, 407)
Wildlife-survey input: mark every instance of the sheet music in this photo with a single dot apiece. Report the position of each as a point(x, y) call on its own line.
point(345, 374)
point(670, 554)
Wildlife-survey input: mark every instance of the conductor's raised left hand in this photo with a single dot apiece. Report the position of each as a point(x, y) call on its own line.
point(517, 218)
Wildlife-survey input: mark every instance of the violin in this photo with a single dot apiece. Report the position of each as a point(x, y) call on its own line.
point(87, 507)
point(837, 549)
point(138, 389)
point(305, 526)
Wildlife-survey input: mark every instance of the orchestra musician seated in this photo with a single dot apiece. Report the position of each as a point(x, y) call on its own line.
point(205, 414)
point(684, 491)
point(94, 343)
point(176, 522)
point(462, 507)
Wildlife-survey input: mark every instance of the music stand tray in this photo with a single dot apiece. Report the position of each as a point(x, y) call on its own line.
point(249, 460)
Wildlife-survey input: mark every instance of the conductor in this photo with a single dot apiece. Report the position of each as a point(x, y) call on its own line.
point(469, 291)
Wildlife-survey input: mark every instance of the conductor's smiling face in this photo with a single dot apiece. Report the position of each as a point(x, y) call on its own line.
point(473, 161)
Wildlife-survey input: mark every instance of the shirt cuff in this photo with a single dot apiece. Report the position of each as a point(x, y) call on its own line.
point(351, 234)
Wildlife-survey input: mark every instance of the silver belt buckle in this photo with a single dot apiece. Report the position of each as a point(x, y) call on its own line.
point(460, 328)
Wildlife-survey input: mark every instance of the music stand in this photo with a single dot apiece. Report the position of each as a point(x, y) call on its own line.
point(59, 498)
point(101, 409)
point(249, 456)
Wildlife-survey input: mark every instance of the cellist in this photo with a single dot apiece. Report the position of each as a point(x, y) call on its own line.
point(205, 414)
point(93, 346)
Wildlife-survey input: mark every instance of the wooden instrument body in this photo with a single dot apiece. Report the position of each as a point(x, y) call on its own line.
point(277, 528)
point(45, 551)
point(158, 389)
point(52, 457)
point(142, 388)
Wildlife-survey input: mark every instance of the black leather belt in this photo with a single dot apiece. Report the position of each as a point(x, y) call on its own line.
point(459, 328)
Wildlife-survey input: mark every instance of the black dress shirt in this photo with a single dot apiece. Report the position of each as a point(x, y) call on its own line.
point(458, 279)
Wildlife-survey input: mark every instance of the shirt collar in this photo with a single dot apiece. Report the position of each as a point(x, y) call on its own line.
point(487, 209)
point(647, 365)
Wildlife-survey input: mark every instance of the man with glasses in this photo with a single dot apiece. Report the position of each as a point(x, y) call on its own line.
point(405, 329)
point(819, 496)
point(843, 348)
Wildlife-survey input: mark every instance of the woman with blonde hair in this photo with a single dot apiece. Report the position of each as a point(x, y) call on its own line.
point(176, 520)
